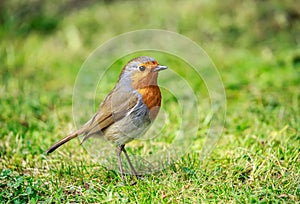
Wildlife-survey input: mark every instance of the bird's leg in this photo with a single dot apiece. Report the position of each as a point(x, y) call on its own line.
point(119, 151)
point(129, 162)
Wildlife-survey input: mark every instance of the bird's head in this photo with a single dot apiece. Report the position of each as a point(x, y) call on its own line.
point(141, 72)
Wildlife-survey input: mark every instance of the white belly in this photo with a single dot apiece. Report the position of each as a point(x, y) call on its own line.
point(130, 127)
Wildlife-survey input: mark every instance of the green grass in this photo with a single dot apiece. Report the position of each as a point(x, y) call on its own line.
point(256, 49)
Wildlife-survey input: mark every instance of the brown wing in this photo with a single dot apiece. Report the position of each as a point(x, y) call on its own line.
point(115, 106)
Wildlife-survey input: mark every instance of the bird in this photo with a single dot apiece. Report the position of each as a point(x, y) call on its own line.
point(127, 111)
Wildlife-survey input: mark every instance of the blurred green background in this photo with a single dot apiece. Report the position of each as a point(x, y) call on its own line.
point(254, 44)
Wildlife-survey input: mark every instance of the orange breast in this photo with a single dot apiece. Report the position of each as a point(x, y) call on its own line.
point(152, 98)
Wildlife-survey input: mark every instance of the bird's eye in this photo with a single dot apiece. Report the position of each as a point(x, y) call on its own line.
point(142, 68)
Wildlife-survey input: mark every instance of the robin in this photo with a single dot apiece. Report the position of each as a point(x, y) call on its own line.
point(127, 111)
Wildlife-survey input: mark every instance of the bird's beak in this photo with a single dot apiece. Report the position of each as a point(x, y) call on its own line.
point(159, 68)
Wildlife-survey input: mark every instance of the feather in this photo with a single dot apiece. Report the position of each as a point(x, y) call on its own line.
point(115, 107)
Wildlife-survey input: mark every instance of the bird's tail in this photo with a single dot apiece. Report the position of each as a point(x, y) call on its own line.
point(63, 141)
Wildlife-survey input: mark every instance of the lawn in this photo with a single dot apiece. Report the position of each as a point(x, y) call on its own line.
point(254, 45)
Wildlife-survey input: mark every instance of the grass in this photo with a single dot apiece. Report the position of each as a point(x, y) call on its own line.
point(256, 50)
